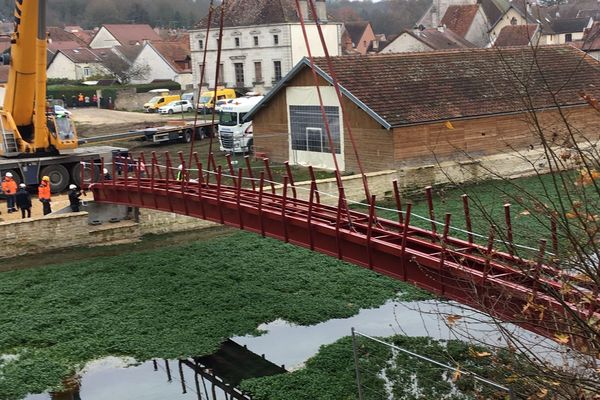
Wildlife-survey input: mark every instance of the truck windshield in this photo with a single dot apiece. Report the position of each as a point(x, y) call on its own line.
point(154, 99)
point(205, 99)
point(228, 118)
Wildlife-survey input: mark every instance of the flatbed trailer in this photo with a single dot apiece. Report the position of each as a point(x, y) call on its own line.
point(62, 169)
point(174, 131)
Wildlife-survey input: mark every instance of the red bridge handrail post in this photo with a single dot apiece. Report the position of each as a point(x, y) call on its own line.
point(370, 230)
point(114, 171)
point(185, 176)
point(288, 170)
point(489, 253)
point(102, 177)
point(269, 174)
point(338, 222)
point(199, 167)
point(509, 230)
point(398, 201)
point(261, 189)
point(429, 197)
point(200, 184)
point(219, 179)
point(405, 239)
point(250, 174)
point(239, 197)
point(469, 225)
point(311, 200)
point(313, 178)
point(284, 208)
point(168, 180)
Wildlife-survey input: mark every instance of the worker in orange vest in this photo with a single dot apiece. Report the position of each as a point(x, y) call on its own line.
point(44, 194)
point(9, 188)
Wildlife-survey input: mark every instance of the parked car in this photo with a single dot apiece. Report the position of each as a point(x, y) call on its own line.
point(177, 106)
point(60, 111)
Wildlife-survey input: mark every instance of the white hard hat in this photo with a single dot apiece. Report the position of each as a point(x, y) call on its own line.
point(9, 175)
point(180, 167)
point(105, 171)
point(22, 185)
point(71, 186)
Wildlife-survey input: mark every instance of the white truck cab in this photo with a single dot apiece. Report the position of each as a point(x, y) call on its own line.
point(235, 134)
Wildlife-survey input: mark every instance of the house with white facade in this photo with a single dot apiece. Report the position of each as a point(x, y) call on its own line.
point(77, 64)
point(165, 60)
point(422, 39)
point(259, 48)
point(111, 35)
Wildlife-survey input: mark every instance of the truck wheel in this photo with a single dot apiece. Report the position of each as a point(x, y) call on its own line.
point(91, 174)
point(59, 177)
point(187, 136)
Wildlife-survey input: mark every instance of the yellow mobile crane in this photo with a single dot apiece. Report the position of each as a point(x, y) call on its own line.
point(34, 141)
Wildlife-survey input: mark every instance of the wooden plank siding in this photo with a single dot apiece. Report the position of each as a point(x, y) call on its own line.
point(381, 149)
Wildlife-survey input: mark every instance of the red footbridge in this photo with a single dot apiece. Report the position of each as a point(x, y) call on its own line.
point(528, 293)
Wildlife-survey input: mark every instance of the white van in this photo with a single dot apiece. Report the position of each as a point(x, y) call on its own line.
point(235, 134)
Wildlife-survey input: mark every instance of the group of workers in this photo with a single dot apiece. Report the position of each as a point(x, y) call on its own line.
point(20, 199)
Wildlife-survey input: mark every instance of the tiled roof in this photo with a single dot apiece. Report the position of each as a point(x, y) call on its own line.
point(437, 39)
point(591, 38)
point(177, 54)
point(569, 25)
point(84, 55)
point(130, 34)
point(254, 12)
point(459, 18)
point(60, 35)
point(516, 35)
point(129, 52)
point(356, 29)
point(409, 88)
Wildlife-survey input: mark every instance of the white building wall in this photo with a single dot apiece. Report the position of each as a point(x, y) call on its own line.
point(332, 33)
point(158, 67)
point(288, 50)
point(61, 68)
point(405, 43)
point(478, 31)
point(103, 40)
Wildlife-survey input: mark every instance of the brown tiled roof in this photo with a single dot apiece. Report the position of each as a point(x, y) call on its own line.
point(440, 39)
point(356, 29)
point(569, 25)
point(55, 46)
point(129, 52)
point(254, 12)
point(129, 34)
point(409, 88)
point(60, 35)
point(591, 38)
point(459, 18)
point(84, 55)
point(516, 35)
point(177, 54)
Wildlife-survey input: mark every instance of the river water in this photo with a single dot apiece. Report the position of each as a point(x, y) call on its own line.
point(283, 344)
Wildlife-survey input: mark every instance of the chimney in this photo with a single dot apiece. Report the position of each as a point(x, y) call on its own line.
point(321, 6)
point(304, 9)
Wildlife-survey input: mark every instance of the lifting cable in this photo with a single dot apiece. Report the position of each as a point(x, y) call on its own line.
point(217, 72)
point(338, 177)
point(202, 72)
point(336, 85)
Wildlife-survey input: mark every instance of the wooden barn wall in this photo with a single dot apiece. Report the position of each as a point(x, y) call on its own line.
point(488, 136)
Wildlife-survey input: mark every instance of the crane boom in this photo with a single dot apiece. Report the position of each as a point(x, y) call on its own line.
point(27, 128)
